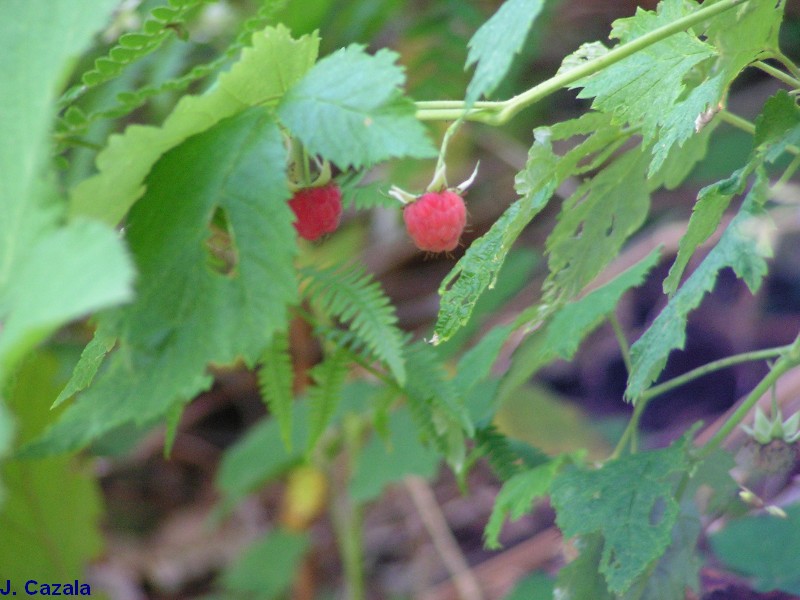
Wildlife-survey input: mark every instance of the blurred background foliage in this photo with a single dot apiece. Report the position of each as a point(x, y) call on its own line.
point(155, 515)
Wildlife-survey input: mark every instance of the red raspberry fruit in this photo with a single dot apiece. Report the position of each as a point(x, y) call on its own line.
point(318, 210)
point(435, 220)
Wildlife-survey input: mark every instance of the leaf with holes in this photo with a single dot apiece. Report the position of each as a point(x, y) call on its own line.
point(629, 501)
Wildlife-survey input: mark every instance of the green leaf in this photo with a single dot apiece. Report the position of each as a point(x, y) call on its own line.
point(679, 567)
point(764, 548)
point(742, 35)
point(596, 221)
point(349, 109)
point(581, 579)
point(517, 495)
point(434, 404)
point(51, 515)
point(712, 201)
point(478, 269)
point(562, 337)
point(630, 502)
point(537, 586)
point(267, 568)
point(276, 383)
point(186, 315)
point(326, 393)
point(353, 296)
point(778, 125)
point(649, 88)
point(494, 45)
point(742, 247)
point(84, 265)
point(383, 461)
point(261, 76)
point(476, 363)
point(91, 358)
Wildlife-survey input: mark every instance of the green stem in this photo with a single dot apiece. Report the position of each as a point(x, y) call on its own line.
point(777, 74)
point(787, 62)
point(347, 519)
point(716, 365)
point(789, 360)
point(499, 113)
point(629, 435)
point(624, 347)
point(748, 127)
point(737, 121)
point(787, 174)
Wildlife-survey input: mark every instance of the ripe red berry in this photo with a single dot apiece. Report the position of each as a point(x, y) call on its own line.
point(317, 210)
point(435, 220)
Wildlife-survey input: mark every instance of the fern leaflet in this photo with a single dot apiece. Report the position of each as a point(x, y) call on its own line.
point(353, 296)
point(275, 379)
point(75, 121)
point(325, 395)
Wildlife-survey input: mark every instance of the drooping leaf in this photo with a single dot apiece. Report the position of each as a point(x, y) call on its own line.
point(51, 515)
point(596, 221)
point(569, 326)
point(494, 45)
point(390, 458)
point(478, 269)
point(742, 247)
point(764, 548)
point(517, 495)
point(186, 315)
point(326, 393)
point(353, 296)
point(629, 501)
point(262, 75)
point(267, 568)
point(712, 201)
point(348, 108)
point(276, 381)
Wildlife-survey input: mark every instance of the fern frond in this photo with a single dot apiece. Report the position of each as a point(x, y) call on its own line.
point(495, 446)
point(354, 297)
point(75, 121)
point(275, 379)
point(161, 23)
point(435, 405)
point(325, 395)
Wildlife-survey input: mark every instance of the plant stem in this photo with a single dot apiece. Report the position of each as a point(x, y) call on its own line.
point(498, 113)
point(347, 517)
point(624, 347)
point(787, 62)
point(716, 365)
point(777, 74)
point(737, 121)
point(788, 360)
point(629, 435)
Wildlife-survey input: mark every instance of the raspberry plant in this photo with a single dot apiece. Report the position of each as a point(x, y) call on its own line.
point(131, 245)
